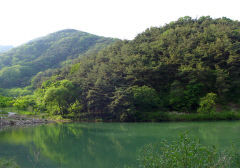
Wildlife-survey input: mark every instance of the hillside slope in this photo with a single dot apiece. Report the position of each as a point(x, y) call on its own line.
point(163, 69)
point(20, 64)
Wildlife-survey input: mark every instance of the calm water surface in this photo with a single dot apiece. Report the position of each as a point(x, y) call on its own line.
point(102, 145)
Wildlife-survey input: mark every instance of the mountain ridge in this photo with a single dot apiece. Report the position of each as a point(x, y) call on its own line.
point(19, 64)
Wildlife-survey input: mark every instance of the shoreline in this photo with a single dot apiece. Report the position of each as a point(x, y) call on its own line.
point(21, 120)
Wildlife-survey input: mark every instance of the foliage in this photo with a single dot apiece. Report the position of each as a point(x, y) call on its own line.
point(22, 103)
point(15, 92)
point(121, 106)
point(7, 163)
point(5, 101)
point(169, 68)
point(186, 152)
point(20, 64)
point(58, 96)
point(185, 98)
point(207, 104)
point(145, 98)
point(75, 108)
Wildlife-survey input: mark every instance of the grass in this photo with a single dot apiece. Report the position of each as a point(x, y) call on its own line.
point(224, 115)
point(174, 116)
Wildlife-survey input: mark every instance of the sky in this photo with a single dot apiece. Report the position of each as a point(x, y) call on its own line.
point(24, 20)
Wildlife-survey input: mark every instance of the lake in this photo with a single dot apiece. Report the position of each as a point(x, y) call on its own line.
point(103, 145)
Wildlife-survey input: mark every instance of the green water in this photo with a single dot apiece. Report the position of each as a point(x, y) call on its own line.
point(102, 145)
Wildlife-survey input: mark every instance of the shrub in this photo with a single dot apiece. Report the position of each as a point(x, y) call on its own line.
point(7, 163)
point(186, 152)
point(207, 104)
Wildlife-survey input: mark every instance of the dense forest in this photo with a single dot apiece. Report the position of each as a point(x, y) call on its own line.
point(20, 64)
point(186, 66)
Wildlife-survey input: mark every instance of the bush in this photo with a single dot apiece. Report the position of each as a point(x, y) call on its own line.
point(186, 152)
point(7, 163)
point(207, 104)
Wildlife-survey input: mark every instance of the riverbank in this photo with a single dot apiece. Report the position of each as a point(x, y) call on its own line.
point(174, 116)
point(13, 119)
point(23, 118)
point(160, 116)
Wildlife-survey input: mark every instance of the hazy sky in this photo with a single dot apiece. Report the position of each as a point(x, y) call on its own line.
point(23, 20)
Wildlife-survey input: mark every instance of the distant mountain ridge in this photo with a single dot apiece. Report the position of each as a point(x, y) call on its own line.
point(20, 64)
point(4, 48)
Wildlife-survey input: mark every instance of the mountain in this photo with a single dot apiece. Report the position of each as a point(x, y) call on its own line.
point(4, 48)
point(169, 68)
point(20, 64)
point(188, 66)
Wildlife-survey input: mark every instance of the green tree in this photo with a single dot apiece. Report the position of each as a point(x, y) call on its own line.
point(75, 109)
point(207, 104)
point(59, 96)
point(24, 102)
point(122, 107)
point(145, 98)
point(185, 98)
point(5, 101)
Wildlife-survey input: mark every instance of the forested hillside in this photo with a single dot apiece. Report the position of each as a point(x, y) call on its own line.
point(20, 64)
point(185, 66)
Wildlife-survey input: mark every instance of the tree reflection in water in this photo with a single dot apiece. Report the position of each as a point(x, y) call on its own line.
point(102, 145)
